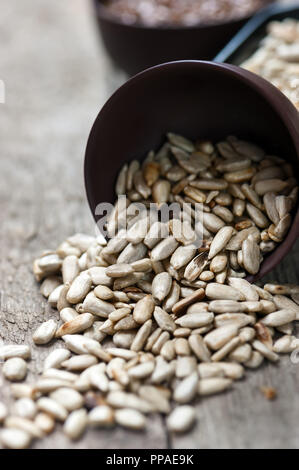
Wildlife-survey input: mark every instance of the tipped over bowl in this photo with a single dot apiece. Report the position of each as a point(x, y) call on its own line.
point(198, 100)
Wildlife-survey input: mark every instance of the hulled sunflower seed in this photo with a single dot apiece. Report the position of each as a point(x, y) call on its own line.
point(24, 408)
point(164, 320)
point(67, 397)
point(77, 325)
point(45, 332)
point(186, 389)
point(79, 288)
point(281, 317)
point(102, 416)
point(15, 369)
point(143, 310)
point(14, 350)
point(161, 286)
point(264, 351)
point(52, 408)
point(131, 419)
point(15, 438)
point(199, 348)
point(220, 336)
point(181, 419)
point(223, 292)
point(75, 424)
point(220, 241)
point(213, 385)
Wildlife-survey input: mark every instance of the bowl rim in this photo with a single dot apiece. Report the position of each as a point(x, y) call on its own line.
point(274, 97)
point(104, 14)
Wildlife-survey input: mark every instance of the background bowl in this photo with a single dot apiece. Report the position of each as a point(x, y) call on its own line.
point(195, 99)
point(137, 47)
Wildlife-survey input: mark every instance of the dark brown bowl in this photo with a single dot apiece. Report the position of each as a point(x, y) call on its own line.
point(136, 47)
point(196, 99)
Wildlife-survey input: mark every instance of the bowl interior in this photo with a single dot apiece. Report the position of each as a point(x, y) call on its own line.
point(196, 99)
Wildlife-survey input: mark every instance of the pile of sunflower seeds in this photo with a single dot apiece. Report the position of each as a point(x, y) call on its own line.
point(277, 58)
point(151, 320)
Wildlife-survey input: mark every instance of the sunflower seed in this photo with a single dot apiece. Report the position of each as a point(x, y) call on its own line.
point(75, 424)
point(23, 391)
point(121, 399)
point(70, 269)
point(168, 351)
point(226, 349)
point(144, 309)
point(15, 368)
point(181, 419)
point(24, 408)
point(60, 375)
point(15, 438)
point(68, 314)
point(77, 325)
point(283, 345)
point(131, 419)
point(164, 320)
point(163, 371)
point(45, 422)
point(220, 336)
point(102, 416)
point(45, 332)
point(164, 249)
point(185, 366)
point(127, 281)
point(96, 306)
point(14, 350)
point(238, 319)
point(80, 362)
point(195, 320)
point(264, 351)
point(52, 408)
point(164, 336)
point(265, 186)
point(241, 354)
point(251, 256)
point(132, 253)
point(49, 285)
point(70, 399)
point(141, 336)
point(283, 302)
point(181, 306)
point(223, 292)
point(231, 370)
point(245, 287)
point(236, 241)
point(186, 389)
point(281, 317)
point(199, 348)
point(213, 385)
point(161, 286)
point(119, 270)
point(140, 185)
point(79, 288)
point(141, 370)
point(172, 298)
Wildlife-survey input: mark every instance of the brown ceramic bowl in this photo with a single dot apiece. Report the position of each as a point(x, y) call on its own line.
point(196, 99)
point(137, 47)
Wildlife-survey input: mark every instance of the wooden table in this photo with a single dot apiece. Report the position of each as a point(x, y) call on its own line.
point(57, 77)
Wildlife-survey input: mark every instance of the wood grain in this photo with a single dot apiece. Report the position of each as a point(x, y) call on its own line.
point(57, 76)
